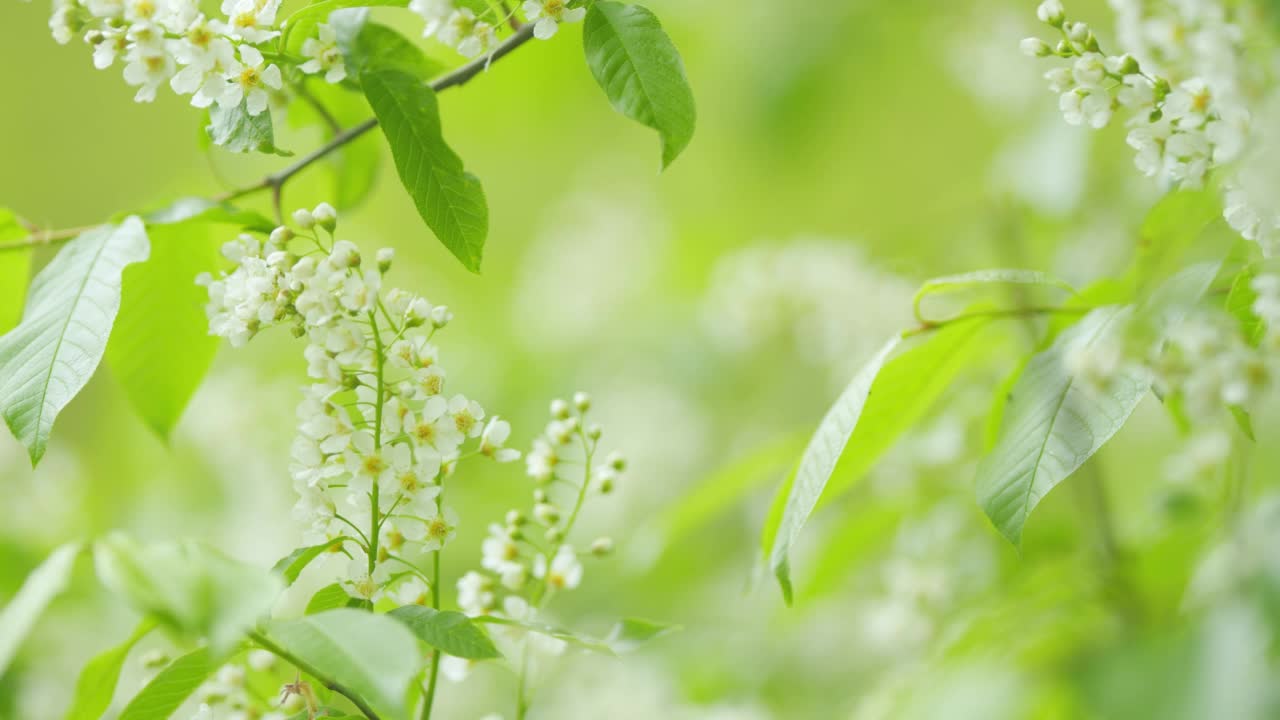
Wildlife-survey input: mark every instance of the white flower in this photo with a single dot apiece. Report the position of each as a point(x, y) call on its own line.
point(1086, 104)
point(148, 70)
point(251, 20)
point(466, 415)
point(434, 531)
point(465, 33)
point(499, 551)
point(413, 591)
point(208, 58)
point(494, 437)
point(475, 594)
point(564, 571)
point(547, 14)
point(434, 12)
point(324, 55)
point(541, 461)
point(251, 81)
point(455, 669)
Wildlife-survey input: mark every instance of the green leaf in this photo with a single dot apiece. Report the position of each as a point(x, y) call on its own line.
point(368, 45)
point(630, 633)
point(1054, 423)
point(235, 130)
point(97, 683)
point(48, 358)
point(373, 655)
point(331, 597)
point(15, 268)
point(884, 400)
point(568, 636)
point(188, 587)
point(292, 565)
point(450, 632)
point(171, 687)
point(448, 198)
point(302, 24)
point(1240, 302)
point(161, 348)
point(641, 72)
point(1170, 231)
point(44, 584)
point(197, 208)
point(998, 276)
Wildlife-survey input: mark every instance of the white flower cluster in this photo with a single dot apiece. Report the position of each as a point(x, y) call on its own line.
point(461, 29)
point(527, 559)
point(377, 435)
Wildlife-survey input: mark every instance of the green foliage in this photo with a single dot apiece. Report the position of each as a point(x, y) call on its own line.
point(368, 45)
point(98, 679)
point(44, 584)
point(449, 199)
point(15, 268)
point(631, 633)
point(160, 348)
point(291, 566)
point(1170, 232)
point(171, 687)
point(302, 24)
point(187, 587)
point(1240, 302)
point(884, 400)
point(641, 72)
point(1054, 423)
point(331, 597)
point(983, 278)
point(235, 130)
point(50, 356)
point(447, 631)
point(373, 655)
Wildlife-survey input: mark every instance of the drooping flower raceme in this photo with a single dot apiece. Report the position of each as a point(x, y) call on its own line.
point(378, 432)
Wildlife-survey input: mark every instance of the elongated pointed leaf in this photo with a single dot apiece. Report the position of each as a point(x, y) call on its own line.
point(1054, 423)
point(630, 633)
point(866, 421)
point(171, 687)
point(449, 199)
point(15, 269)
point(331, 597)
point(291, 566)
point(161, 348)
point(450, 632)
point(373, 655)
point(44, 584)
point(235, 130)
point(97, 683)
point(997, 276)
point(50, 356)
point(641, 72)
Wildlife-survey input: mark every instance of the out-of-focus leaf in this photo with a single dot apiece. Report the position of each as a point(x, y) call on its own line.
point(15, 269)
point(448, 198)
point(373, 655)
point(981, 278)
point(367, 45)
point(568, 636)
point(630, 633)
point(171, 687)
point(50, 356)
point(641, 72)
point(44, 584)
point(1169, 233)
point(1240, 302)
point(97, 683)
point(450, 632)
point(188, 587)
point(1054, 423)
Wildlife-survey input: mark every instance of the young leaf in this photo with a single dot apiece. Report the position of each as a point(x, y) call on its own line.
point(1054, 423)
point(44, 584)
point(15, 268)
point(48, 358)
point(368, 45)
point(862, 426)
point(171, 687)
point(630, 633)
point(373, 655)
point(641, 72)
point(161, 349)
point(235, 130)
point(448, 198)
point(191, 588)
point(292, 565)
point(1169, 232)
point(999, 276)
point(450, 632)
point(1240, 302)
point(302, 24)
point(98, 679)
point(331, 597)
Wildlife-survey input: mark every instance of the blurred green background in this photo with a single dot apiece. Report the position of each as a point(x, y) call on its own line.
point(845, 151)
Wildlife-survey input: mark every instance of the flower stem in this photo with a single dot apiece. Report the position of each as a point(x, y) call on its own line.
point(434, 673)
point(375, 520)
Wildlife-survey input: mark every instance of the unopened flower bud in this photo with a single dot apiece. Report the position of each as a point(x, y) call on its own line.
point(1052, 12)
point(515, 518)
point(602, 546)
point(1077, 31)
point(616, 461)
point(515, 533)
point(546, 513)
point(582, 401)
point(440, 316)
point(298, 331)
point(605, 484)
point(325, 216)
point(559, 409)
point(554, 535)
point(594, 431)
point(281, 235)
point(304, 219)
point(539, 495)
point(1035, 47)
point(385, 256)
point(94, 37)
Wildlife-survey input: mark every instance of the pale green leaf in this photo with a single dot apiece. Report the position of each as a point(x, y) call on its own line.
point(448, 198)
point(98, 679)
point(161, 348)
point(559, 633)
point(15, 269)
point(1240, 302)
point(292, 565)
point(188, 587)
point(44, 584)
point(235, 130)
point(971, 280)
point(367, 45)
point(331, 597)
point(302, 24)
point(630, 633)
point(48, 358)
point(1170, 231)
point(1054, 423)
point(171, 687)
point(373, 655)
point(885, 400)
point(450, 632)
point(641, 72)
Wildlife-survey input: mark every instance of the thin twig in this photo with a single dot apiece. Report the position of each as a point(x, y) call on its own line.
point(307, 668)
point(275, 181)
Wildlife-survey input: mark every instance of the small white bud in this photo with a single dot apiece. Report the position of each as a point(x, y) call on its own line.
point(325, 216)
point(554, 535)
point(304, 219)
point(539, 495)
point(1035, 47)
point(559, 409)
point(582, 401)
point(1051, 12)
point(441, 315)
point(515, 518)
point(594, 431)
point(1078, 31)
point(385, 256)
point(546, 513)
point(616, 461)
point(281, 235)
point(261, 660)
point(602, 546)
